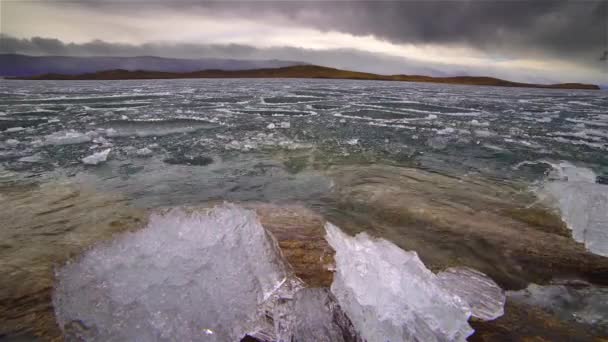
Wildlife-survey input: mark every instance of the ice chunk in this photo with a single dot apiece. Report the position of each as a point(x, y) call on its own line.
point(319, 318)
point(186, 276)
point(97, 158)
point(36, 158)
point(12, 142)
point(390, 295)
point(484, 297)
point(583, 206)
point(581, 202)
point(353, 141)
point(66, 138)
point(285, 124)
point(14, 129)
point(565, 171)
point(143, 152)
point(446, 130)
point(271, 126)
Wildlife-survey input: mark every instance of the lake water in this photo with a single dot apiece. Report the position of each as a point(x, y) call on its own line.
point(508, 181)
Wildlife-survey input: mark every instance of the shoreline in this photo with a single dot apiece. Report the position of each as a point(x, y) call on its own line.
point(304, 72)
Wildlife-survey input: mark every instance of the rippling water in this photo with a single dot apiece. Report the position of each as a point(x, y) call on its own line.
point(452, 172)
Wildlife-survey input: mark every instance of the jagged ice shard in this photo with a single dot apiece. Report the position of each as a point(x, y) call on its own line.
point(390, 295)
point(583, 204)
point(218, 275)
point(187, 276)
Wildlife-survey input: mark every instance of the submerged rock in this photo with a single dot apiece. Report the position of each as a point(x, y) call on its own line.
point(578, 302)
point(189, 160)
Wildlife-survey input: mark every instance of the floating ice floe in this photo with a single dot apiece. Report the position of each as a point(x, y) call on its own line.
point(144, 152)
point(65, 138)
point(271, 126)
point(582, 203)
point(285, 124)
point(12, 142)
point(36, 158)
point(447, 130)
point(14, 129)
point(97, 158)
point(390, 295)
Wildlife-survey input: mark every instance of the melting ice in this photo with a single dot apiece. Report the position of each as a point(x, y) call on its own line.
point(390, 295)
point(218, 275)
point(582, 203)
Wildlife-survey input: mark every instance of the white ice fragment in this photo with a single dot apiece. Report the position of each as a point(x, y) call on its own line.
point(566, 171)
point(285, 124)
point(483, 133)
point(352, 141)
point(66, 138)
point(475, 122)
point(319, 318)
point(97, 158)
point(484, 297)
point(12, 142)
point(143, 152)
point(31, 159)
point(582, 204)
point(390, 295)
point(14, 129)
point(271, 126)
point(444, 131)
point(187, 273)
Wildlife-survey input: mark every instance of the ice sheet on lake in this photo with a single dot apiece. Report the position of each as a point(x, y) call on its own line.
point(217, 272)
point(390, 295)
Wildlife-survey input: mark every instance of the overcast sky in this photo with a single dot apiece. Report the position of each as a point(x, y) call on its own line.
point(535, 40)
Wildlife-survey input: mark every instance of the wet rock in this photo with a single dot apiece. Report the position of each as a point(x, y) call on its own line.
point(189, 160)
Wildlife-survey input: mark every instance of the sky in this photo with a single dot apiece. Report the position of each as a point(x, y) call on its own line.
point(521, 40)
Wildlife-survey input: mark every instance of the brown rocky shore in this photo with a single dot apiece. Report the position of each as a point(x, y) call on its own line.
point(532, 245)
point(303, 71)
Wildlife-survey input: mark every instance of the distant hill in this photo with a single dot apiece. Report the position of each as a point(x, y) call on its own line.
point(303, 71)
point(25, 66)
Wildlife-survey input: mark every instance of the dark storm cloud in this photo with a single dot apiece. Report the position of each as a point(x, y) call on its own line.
point(52, 46)
point(573, 30)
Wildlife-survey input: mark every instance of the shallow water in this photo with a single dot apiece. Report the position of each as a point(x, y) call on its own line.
point(451, 172)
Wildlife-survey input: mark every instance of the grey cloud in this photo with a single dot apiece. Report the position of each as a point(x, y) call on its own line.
point(574, 30)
